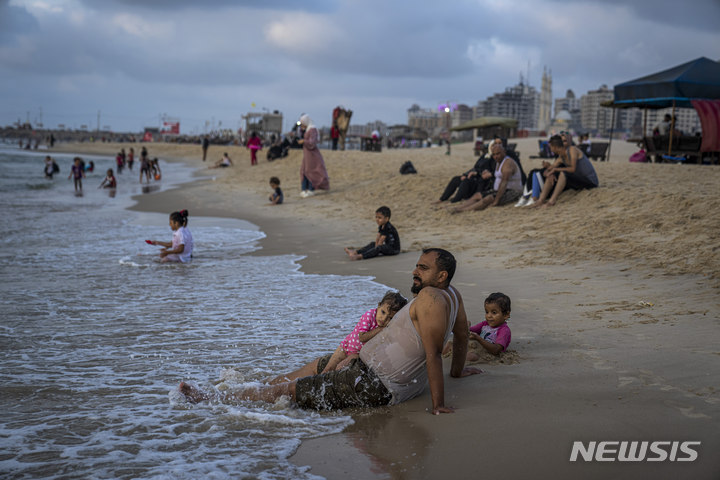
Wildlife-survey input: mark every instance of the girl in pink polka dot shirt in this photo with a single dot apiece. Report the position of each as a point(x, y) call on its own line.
point(369, 325)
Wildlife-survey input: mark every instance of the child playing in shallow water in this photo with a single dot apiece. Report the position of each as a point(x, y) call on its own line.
point(369, 325)
point(109, 181)
point(155, 169)
point(77, 173)
point(181, 247)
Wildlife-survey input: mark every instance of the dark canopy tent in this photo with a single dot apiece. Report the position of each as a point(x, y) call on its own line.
point(678, 86)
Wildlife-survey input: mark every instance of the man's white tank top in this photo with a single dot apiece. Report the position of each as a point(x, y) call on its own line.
point(514, 182)
point(397, 356)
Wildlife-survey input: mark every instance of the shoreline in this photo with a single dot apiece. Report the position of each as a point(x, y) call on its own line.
point(590, 362)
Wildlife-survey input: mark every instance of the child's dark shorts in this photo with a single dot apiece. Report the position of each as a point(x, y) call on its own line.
point(353, 386)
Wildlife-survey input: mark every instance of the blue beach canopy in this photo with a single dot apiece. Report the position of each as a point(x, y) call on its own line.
point(695, 80)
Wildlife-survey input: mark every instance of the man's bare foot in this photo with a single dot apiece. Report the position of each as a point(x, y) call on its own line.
point(192, 394)
point(350, 251)
point(437, 202)
point(549, 203)
point(356, 256)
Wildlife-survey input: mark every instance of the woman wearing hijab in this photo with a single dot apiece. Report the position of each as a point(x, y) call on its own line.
point(312, 170)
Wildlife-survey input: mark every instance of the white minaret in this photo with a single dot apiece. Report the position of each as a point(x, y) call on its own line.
point(545, 115)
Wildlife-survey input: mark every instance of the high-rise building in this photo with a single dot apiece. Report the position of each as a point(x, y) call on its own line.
point(521, 102)
point(595, 118)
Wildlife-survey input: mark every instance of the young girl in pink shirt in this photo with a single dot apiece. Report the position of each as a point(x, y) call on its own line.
point(369, 325)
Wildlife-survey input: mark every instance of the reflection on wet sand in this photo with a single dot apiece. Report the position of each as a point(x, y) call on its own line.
point(374, 443)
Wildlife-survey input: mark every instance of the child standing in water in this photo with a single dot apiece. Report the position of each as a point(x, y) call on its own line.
point(77, 173)
point(155, 169)
point(181, 247)
point(49, 166)
point(109, 181)
point(369, 325)
point(144, 166)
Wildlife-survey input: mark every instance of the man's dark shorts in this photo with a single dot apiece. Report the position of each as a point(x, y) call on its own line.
point(353, 386)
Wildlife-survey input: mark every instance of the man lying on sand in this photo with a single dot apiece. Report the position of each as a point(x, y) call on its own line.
point(393, 365)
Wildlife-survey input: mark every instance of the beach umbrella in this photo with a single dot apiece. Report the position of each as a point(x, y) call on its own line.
point(674, 87)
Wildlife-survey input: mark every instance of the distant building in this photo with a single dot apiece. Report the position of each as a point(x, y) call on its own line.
point(363, 130)
point(596, 119)
point(381, 128)
point(521, 102)
point(561, 122)
point(571, 105)
point(461, 114)
point(356, 130)
point(427, 119)
point(628, 121)
point(264, 124)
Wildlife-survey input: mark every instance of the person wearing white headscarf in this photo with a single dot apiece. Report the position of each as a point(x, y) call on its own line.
point(313, 174)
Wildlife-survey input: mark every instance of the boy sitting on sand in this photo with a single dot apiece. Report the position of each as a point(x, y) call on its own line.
point(387, 241)
point(277, 196)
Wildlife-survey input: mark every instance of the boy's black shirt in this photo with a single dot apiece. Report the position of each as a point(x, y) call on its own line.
point(392, 238)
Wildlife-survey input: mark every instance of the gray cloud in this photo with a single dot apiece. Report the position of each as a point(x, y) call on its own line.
point(695, 14)
point(14, 20)
point(209, 5)
point(133, 59)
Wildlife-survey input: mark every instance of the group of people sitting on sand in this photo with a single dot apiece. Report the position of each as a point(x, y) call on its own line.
point(497, 178)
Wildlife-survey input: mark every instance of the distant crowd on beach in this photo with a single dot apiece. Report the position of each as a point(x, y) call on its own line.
point(149, 169)
point(497, 177)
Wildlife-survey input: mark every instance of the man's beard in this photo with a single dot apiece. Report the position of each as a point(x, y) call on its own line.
point(415, 289)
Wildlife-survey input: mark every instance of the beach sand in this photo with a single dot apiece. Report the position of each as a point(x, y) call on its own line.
point(615, 306)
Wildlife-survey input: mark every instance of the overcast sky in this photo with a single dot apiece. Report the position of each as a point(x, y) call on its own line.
point(207, 62)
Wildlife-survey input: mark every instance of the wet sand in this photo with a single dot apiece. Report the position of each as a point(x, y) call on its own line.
point(615, 306)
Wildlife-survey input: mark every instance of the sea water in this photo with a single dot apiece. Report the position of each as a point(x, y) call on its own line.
point(96, 334)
